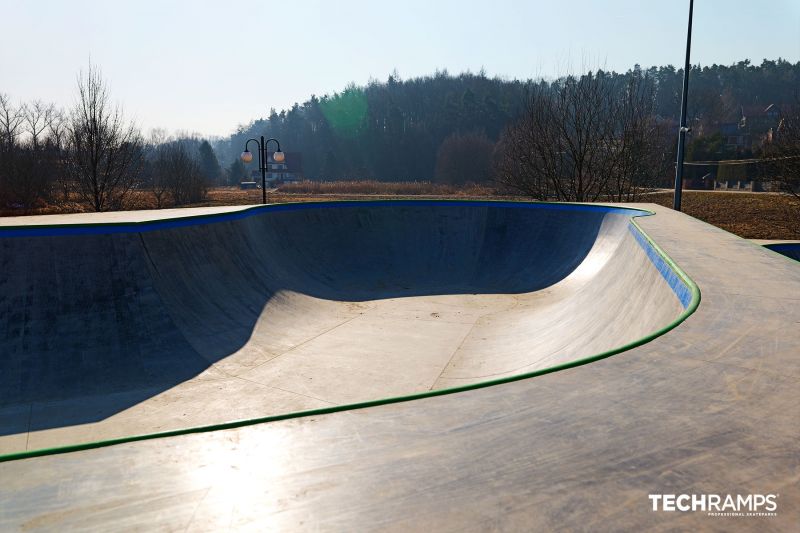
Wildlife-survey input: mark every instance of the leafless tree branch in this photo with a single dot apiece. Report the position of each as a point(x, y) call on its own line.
point(585, 139)
point(105, 153)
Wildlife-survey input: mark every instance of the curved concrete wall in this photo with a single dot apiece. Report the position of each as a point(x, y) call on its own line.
point(123, 330)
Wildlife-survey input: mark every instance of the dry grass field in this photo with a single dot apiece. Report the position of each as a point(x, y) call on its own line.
point(749, 215)
point(411, 188)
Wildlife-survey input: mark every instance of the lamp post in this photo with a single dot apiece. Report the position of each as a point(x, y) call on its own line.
point(676, 204)
point(247, 157)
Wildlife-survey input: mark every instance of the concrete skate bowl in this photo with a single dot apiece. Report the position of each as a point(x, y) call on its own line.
point(110, 331)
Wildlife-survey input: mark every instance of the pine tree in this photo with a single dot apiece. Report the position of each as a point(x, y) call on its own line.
point(209, 165)
point(236, 172)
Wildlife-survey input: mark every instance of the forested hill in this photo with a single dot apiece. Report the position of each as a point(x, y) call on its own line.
point(392, 130)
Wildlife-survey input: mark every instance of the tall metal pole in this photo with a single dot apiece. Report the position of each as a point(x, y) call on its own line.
point(264, 147)
point(683, 129)
point(262, 160)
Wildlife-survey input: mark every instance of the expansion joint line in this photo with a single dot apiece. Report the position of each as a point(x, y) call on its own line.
point(458, 348)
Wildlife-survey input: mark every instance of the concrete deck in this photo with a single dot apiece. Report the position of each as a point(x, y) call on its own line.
point(117, 217)
point(709, 407)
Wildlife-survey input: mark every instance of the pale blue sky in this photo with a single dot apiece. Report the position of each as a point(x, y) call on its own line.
point(206, 66)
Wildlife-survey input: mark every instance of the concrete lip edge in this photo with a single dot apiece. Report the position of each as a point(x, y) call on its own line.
point(141, 226)
point(152, 225)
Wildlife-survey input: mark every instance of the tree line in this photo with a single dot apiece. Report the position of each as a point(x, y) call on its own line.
point(415, 129)
point(598, 135)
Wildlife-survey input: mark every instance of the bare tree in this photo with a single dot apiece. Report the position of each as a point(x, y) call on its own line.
point(37, 117)
point(10, 128)
point(161, 173)
point(11, 123)
point(26, 167)
point(555, 150)
point(781, 163)
point(176, 175)
point(57, 133)
point(150, 178)
point(584, 139)
point(37, 162)
point(57, 127)
point(639, 146)
point(105, 153)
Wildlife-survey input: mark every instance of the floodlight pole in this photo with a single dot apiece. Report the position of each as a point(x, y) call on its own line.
point(262, 161)
point(683, 129)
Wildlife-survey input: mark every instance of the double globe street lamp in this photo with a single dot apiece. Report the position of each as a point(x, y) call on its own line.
point(278, 157)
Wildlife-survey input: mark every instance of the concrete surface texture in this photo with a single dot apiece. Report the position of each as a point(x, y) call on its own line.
point(121, 331)
point(708, 408)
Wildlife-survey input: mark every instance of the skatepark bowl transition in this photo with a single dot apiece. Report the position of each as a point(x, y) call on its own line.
point(141, 332)
point(111, 333)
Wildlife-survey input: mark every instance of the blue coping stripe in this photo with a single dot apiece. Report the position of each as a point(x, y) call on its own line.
point(198, 220)
point(674, 281)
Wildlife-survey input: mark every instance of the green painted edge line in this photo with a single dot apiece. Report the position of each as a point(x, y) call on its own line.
point(694, 303)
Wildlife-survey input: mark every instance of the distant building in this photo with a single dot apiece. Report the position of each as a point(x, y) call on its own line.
point(287, 171)
point(743, 131)
point(736, 136)
point(752, 124)
point(290, 169)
